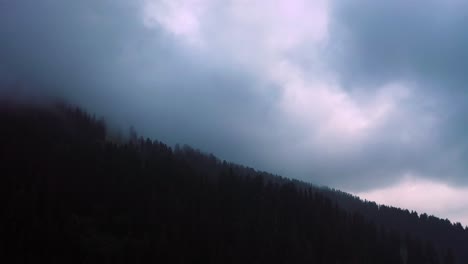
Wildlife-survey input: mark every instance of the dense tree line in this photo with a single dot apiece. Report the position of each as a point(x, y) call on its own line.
point(70, 194)
point(445, 234)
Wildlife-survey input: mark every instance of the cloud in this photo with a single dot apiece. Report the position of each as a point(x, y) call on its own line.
point(260, 36)
point(381, 41)
point(375, 43)
point(103, 56)
point(345, 94)
point(178, 17)
point(316, 116)
point(361, 98)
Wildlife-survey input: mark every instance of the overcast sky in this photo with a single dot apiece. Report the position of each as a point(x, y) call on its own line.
point(366, 96)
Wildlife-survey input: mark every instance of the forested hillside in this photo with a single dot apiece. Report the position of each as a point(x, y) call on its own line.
point(71, 193)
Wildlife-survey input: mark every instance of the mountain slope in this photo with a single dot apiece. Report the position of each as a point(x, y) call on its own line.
point(70, 194)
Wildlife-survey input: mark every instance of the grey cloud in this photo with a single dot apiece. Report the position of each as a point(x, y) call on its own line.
point(388, 40)
point(424, 43)
point(99, 54)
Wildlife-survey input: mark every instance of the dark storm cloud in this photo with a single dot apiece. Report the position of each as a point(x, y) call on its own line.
point(388, 40)
point(99, 54)
point(424, 43)
point(259, 91)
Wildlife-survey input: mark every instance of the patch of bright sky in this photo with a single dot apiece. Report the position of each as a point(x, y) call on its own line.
point(423, 195)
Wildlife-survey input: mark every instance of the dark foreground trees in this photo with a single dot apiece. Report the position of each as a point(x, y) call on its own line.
point(70, 195)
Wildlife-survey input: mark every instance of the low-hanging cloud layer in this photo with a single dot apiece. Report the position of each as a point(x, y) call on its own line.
point(352, 94)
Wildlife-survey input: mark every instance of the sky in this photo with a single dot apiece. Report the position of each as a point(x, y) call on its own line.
point(365, 96)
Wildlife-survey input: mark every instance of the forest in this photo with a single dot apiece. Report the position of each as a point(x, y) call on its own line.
point(71, 192)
